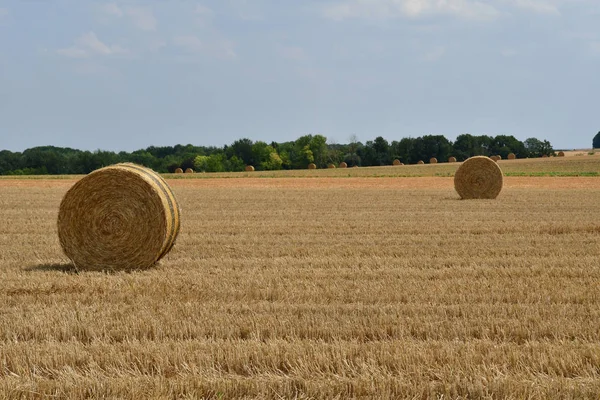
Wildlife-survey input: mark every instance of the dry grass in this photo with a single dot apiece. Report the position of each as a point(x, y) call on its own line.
point(312, 293)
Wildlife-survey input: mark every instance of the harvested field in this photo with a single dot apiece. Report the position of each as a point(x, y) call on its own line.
point(324, 287)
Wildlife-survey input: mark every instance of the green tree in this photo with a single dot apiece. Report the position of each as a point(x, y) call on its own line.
point(538, 148)
point(503, 145)
point(596, 141)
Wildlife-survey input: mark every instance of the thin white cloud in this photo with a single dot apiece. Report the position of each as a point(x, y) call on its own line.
point(112, 9)
point(88, 45)
point(538, 6)
point(190, 43)
point(142, 17)
point(386, 9)
point(293, 53)
point(215, 47)
point(509, 53)
point(434, 54)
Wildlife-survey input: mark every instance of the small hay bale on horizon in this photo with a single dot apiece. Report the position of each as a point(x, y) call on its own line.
point(312, 166)
point(494, 158)
point(343, 165)
point(452, 159)
point(330, 165)
point(479, 177)
point(545, 156)
point(421, 162)
point(512, 156)
point(396, 162)
point(189, 171)
point(179, 171)
point(433, 160)
point(120, 217)
point(249, 168)
point(561, 153)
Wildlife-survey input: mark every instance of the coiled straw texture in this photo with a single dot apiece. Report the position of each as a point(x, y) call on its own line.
point(478, 177)
point(121, 217)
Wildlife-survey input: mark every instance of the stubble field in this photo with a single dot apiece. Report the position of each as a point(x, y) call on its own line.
point(317, 286)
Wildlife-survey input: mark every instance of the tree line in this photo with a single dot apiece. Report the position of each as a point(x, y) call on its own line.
point(296, 154)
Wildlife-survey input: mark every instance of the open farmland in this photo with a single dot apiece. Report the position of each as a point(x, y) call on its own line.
point(366, 282)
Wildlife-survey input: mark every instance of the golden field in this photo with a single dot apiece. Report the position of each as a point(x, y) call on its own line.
point(357, 283)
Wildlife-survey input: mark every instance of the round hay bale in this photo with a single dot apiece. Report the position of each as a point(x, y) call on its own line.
point(512, 156)
point(499, 157)
point(249, 168)
point(179, 171)
point(312, 166)
point(421, 162)
point(433, 160)
point(189, 171)
point(330, 165)
point(355, 166)
point(494, 158)
point(343, 165)
point(396, 162)
point(478, 178)
point(545, 156)
point(561, 153)
point(452, 159)
point(121, 217)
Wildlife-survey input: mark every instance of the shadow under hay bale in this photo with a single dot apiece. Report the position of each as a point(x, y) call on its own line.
point(479, 177)
point(121, 217)
point(58, 267)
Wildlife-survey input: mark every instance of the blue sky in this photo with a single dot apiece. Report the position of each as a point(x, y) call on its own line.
point(124, 75)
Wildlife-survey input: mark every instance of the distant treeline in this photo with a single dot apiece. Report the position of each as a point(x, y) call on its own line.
point(264, 156)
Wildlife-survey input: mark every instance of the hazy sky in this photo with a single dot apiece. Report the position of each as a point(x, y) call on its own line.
point(124, 75)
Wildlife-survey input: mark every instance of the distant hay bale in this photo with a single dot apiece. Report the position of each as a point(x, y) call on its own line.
point(494, 158)
point(189, 171)
point(452, 159)
point(421, 162)
point(478, 178)
point(179, 171)
point(433, 160)
point(312, 166)
point(249, 168)
point(512, 156)
point(545, 156)
point(343, 165)
point(330, 165)
point(561, 153)
point(396, 162)
point(121, 217)
point(355, 166)
point(499, 157)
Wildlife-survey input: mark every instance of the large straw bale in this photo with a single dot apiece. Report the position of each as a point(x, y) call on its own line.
point(478, 178)
point(120, 217)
